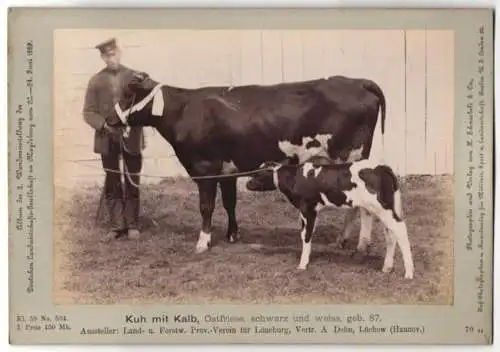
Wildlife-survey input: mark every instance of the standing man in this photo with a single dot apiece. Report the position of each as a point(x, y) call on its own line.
point(103, 91)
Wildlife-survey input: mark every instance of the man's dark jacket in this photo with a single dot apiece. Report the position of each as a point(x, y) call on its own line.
point(103, 91)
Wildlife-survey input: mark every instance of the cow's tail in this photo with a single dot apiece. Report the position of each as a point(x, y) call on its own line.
point(377, 91)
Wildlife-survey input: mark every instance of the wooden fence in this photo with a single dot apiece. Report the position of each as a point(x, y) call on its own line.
point(415, 68)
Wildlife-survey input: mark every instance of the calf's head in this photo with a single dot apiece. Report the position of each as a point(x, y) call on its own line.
point(265, 180)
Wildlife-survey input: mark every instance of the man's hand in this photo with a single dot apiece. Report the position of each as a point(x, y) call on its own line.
point(112, 130)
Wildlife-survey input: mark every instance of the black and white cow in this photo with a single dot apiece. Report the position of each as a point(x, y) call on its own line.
point(315, 185)
point(222, 130)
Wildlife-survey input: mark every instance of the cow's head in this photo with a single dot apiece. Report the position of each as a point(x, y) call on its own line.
point(266, 180)
point(141, 102)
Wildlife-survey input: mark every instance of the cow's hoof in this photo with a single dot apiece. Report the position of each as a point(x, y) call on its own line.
point(110, 236)
point(409, 276)
point(341, 244)
point(202, 247)
point(134, 234)
point(362, 251)
point(387, 269)
point(302, 267)
point(203, 243)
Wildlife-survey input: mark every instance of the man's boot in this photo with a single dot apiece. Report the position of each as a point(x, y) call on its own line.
point(116, 219)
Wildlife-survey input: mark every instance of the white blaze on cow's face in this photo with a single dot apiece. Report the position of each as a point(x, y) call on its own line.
point(310, 146)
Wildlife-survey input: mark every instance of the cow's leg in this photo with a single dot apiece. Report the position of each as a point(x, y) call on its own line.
point(365, 231)
point(348, 227)
point(207, 191)
point(397, 229)
point(228, 190)
point(308, 225)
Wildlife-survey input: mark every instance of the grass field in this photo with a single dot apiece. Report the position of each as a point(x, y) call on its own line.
point(261, 268)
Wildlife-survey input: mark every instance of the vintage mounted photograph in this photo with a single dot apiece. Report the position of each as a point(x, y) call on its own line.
point(253, 166)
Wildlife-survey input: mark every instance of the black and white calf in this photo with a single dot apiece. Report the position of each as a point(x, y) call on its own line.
point(372, 187)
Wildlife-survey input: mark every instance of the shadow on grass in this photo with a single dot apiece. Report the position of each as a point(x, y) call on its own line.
point(162, 267)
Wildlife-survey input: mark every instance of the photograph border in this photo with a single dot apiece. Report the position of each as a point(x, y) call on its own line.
point(438, 324)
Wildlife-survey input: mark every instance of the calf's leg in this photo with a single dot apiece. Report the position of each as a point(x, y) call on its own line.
point(397, 229)
point(228, 190)
point(348, 227)
point(308, 225)
point(365, 231)
point(401, 233)
point(366, 222)
point(390, 242)
point(207, 191)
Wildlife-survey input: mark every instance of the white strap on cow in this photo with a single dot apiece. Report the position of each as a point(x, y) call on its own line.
point(158, 104)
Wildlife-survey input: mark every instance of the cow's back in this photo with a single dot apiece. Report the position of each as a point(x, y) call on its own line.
point(277, 112)
point(348, 94)
point(248, 123)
